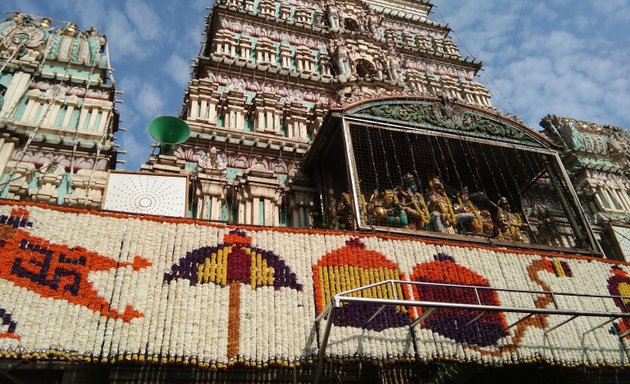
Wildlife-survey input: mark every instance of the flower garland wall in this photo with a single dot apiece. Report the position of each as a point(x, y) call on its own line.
point(104, 287)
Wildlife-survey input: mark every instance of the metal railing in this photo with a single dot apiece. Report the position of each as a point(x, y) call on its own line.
point(349, 296)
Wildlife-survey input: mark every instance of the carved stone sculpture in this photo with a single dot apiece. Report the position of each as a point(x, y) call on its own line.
point(373, 24)
point(442, 215)
point(394, 66)
point(212, 160)
point(333, 16)
point(468, 216)
point(413, 204)
point(509, 223)
point(343, 57)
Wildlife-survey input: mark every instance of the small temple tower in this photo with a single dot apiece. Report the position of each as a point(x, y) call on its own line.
point(597, 158)
point(58, 115)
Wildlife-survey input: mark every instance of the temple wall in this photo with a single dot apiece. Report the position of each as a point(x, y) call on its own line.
point(106, 287)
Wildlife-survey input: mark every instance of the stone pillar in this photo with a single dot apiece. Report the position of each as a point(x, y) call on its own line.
point(32, 106)
point(47, 191)
point(258, 185)
point(212, 188)
point(304, 60)
point(104, 120)
point(246, 49)
point(302, 16)
point(286, 57)
point(203, 111)
point(22, 176)
point(88, 188)
point(73, 103)
point(6, 149)
point(301, 203)
point(194, 107)
point(212, 105)
point(285, 12)
point(16, 89)
point(52, 116)
point(267, 8)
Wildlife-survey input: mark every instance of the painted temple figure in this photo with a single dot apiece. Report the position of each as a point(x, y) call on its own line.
point(488, 225)
point(386, 209)
point(374, 22)
point(212, 160)
point(414, 204)
point(468, 216)
point(394, 66)
point(333, 16)
point(442, 216)
point(509, 223)
point(344, 211)
point(95, 45)
point(343, 57)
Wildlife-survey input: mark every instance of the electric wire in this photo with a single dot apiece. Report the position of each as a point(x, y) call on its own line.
point(516, 31)
point(483, 71)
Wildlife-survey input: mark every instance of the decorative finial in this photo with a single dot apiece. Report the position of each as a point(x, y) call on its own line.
point(70, 30)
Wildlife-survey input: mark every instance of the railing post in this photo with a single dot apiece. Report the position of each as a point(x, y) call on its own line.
point(322, 347)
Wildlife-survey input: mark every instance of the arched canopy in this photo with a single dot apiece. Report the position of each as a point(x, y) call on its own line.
point(447, 116)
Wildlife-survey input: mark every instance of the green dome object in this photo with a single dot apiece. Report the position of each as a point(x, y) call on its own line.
point(169, 130)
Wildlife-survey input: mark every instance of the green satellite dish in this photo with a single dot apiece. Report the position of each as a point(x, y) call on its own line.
point(169, 131)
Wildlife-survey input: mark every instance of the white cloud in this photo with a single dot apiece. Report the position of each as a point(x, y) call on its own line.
point(147, 23)
point(177, 69)
point(150, 101)
point(570, 58)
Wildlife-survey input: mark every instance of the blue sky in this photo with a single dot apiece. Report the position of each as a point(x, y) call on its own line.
point(569, 58)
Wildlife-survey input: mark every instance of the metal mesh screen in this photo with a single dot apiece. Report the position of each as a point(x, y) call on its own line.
point(399, 175)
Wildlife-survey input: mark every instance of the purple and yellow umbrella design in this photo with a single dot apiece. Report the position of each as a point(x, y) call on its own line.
point(351, 267)
point(231, 264)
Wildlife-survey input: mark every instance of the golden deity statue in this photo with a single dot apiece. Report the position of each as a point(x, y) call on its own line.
point(509, 223)
point(413, 204)
point(345, 213)
point(488, 224)
point(442, 215)
point(468, 216)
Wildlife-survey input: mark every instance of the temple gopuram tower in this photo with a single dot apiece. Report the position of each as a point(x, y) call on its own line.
point(58, 115)
point(597, 157)
point(268, 73)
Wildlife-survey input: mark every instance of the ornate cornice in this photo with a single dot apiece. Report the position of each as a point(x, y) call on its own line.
point(446, 115)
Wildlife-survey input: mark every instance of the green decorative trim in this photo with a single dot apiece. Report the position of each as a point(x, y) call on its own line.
point(232, 173)
point(61, 115)
point(5, 79)
point(446, 116)
point(64, 188)
point(261, 211)
point(21, 108)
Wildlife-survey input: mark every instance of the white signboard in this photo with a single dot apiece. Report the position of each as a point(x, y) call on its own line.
point(622, 234)
point(146, 194)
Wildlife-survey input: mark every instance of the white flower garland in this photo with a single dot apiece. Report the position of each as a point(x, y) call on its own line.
point(185, 318)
